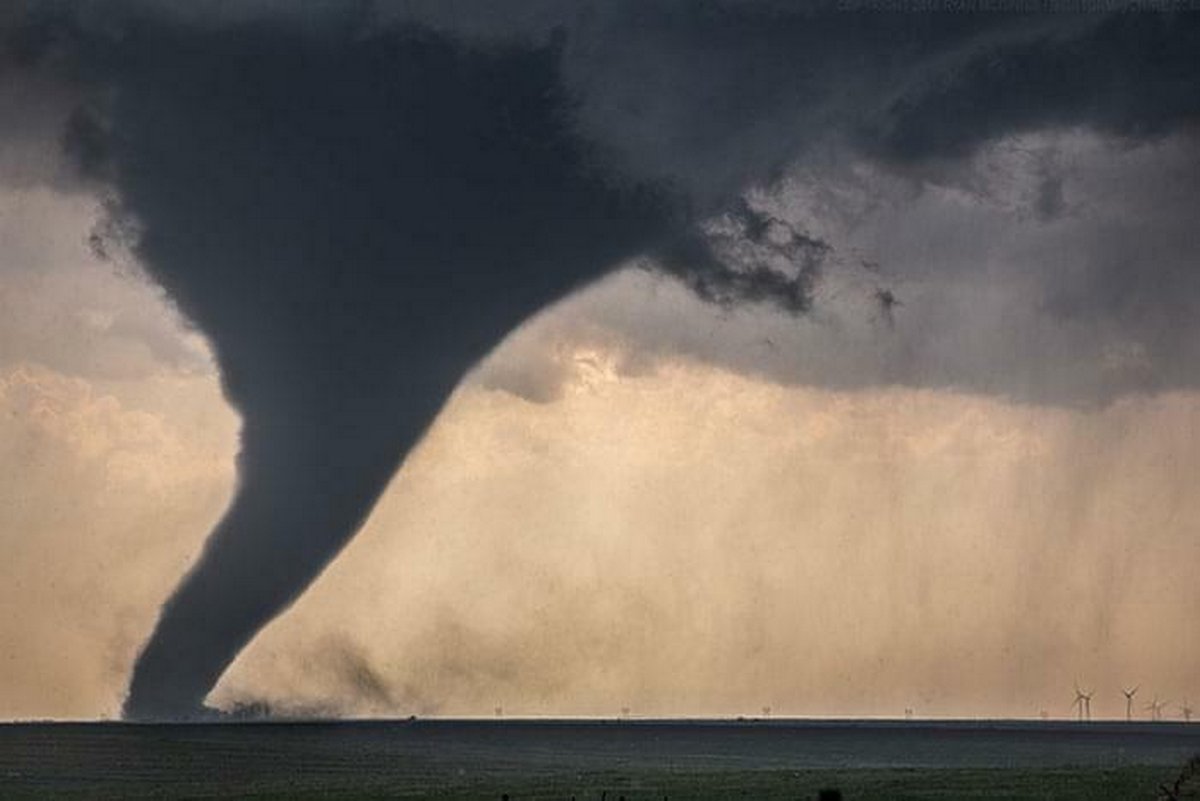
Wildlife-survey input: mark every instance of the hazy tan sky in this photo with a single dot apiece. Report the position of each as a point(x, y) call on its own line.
point(641, 501)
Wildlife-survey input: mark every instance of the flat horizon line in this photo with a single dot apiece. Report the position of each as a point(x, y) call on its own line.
point(635, 720)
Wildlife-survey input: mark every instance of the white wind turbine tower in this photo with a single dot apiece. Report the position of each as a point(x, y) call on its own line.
point(1129, 702)
point(1186, 711)
point(1084, 702)
point(1156, 708)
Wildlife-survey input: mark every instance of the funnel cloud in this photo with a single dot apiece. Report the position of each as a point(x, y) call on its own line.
point(356, 202)
point(374, 262)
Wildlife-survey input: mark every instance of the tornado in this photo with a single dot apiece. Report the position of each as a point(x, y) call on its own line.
point(355, 205)
point(353, 228)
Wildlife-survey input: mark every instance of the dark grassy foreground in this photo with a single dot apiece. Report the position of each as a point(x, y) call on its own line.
point(868, 784)
point(480, 761)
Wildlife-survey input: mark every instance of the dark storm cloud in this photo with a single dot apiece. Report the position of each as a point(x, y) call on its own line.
point(356, 202)
point(747, 257)
point(1081, 308)
point(1132, 74)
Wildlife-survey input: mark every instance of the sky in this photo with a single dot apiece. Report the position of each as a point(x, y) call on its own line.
point(854, 374)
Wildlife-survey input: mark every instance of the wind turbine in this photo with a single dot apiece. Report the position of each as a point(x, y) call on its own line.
point(1084, 702)
point(1129, 702)
point(1156, 708)
point(1186, 711)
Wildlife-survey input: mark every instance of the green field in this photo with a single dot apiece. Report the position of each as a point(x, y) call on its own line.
point(1126, 784)
point(476, 761)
